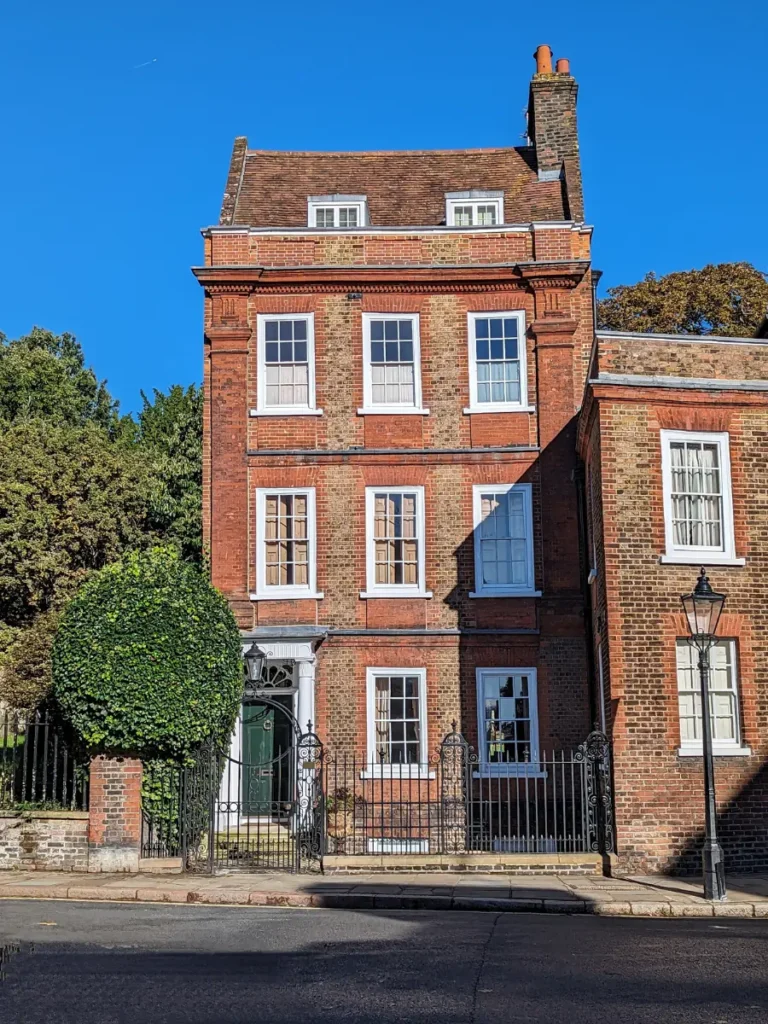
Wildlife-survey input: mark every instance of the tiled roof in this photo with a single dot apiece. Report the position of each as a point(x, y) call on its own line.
point(270, 189)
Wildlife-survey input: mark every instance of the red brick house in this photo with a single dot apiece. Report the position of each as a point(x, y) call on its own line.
point(673, 436)
point(395, 351)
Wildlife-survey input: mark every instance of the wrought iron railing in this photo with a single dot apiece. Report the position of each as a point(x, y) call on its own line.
point(453, 803)
point(41, 764)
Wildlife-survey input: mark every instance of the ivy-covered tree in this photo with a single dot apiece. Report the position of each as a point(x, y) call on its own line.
point(729, 299)
point(146, 659)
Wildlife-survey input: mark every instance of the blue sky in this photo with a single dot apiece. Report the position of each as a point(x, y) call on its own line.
point(109, 169)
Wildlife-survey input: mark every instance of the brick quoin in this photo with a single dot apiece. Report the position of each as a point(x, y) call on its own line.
point(114, 829)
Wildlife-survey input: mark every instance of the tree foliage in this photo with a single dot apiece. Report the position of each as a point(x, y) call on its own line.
point(729, 299)
point(44, 375)
point(146, 660)
point(170, 430)
point(80, 486)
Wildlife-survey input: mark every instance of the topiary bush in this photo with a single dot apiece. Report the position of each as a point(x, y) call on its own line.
point(146, 659)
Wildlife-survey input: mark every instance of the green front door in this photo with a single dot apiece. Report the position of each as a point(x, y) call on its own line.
point(266, 759)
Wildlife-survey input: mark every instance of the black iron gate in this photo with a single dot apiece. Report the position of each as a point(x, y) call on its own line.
point(261, 812)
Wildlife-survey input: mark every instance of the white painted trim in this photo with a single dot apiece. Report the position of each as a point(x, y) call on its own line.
point(285, 411)
point(261, 376)
point(689, 339)
point(408, 231)
point(389, 410)
point(484, 590)
point(263, 592)
point(687, 554)
point(393, 771)
point(475, 199)
point(710, 559)
point(394, 589)
point(475, 406)
point(337, 202)
point(716, 751)
point(368, 404)
point(377, 595)
point(483, 410)
point(530, 769)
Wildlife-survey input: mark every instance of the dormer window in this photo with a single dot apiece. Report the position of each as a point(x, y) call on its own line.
point(337, 211)
point(474, 209)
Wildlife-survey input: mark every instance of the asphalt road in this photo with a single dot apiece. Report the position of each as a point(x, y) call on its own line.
point(149, 964)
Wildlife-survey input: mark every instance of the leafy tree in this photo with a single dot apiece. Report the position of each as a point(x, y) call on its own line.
point(729, 299)
point(44, 375)
point(170, 428)
point(146, 660)
point(25, 675)
point(71, 501)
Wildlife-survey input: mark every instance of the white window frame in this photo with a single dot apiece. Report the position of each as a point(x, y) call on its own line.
point(485, 407)
point(503, 590)
point(393, 589)
point(474, 198)
point(689, 555)
point(719, 747)
point(374, 769)
point(295, 591)
point(391, 408)
point(336, 202)
point(529, 769)
point(262, 409)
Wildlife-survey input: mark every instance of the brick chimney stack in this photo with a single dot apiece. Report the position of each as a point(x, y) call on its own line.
point(552, 127)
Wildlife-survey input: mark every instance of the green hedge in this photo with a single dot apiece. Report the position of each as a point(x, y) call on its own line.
point(146, 660)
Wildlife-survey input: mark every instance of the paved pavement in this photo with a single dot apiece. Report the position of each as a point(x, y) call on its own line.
point(110, 963)
point(639, 896)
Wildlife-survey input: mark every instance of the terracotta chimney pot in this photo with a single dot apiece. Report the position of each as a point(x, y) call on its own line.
point(543, 57)
point(563, 66)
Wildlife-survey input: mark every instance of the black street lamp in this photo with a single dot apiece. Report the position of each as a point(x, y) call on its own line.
point(702, 610)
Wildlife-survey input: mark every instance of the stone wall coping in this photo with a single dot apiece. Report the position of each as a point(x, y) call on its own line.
point(64, 814)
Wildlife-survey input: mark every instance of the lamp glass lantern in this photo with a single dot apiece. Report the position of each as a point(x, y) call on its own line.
point(703, 607)
point(254, 663)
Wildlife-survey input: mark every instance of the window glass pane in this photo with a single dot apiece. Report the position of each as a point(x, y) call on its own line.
point(503, 539)
point(396, 539)
point(696, 498)
point(396, 724)
point(393, 370)
point(286, 358)
point(497, 359)
point(286, 544)
point(723, 698)
point(506, 720)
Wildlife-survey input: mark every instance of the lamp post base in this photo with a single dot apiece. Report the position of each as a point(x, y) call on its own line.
point(714, 870)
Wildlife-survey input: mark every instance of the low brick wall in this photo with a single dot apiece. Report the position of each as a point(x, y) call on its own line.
point(44, 840)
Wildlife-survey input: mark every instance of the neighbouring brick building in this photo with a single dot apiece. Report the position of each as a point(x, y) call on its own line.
point(420, 515)
point(674, 436)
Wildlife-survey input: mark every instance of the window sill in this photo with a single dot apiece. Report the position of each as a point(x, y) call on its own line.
point(476, 410)
point(716, 752)
point(288, 595)
point(285, 412)
point(508, 772)
point(486, 594)
point(393, 772)
point(368, 594)
point(702, 558)
point(393, 410)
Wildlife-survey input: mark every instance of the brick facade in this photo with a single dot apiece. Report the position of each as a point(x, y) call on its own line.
point(259, 260)
point(636, 392)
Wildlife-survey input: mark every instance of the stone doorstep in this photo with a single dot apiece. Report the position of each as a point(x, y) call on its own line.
point(380, 901)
